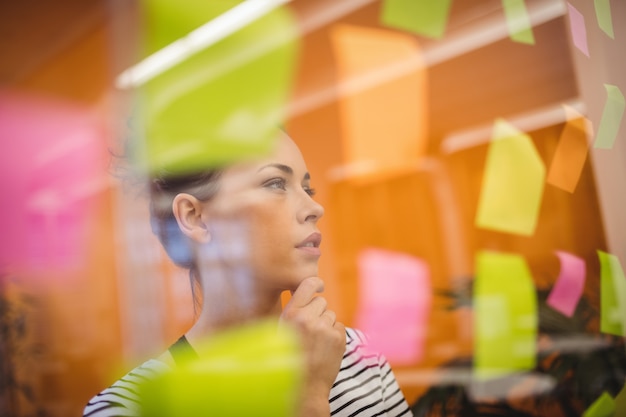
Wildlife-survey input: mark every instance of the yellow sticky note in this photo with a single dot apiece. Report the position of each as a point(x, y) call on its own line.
point(253, 370)
point(604, 406)
point(424, 17)
point(603, 15)
point(383, 107)
point(518, 22)
point(513, 183)
point(612, 295)
point(223, 102)
point(571, 152)
point(611, 117)
point(505, 315)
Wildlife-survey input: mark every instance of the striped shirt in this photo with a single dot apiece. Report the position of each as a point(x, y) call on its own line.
point(365, 386)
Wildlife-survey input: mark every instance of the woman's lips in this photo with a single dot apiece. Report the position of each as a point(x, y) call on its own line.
point(311, 245)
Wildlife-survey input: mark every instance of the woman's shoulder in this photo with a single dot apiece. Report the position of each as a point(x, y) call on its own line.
point(355, 336)
point(365, 384)
point(122, 398)
point(359, 352)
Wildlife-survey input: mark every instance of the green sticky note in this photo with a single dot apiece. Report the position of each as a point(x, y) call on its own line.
point(505, 315)
point(603, 14)
point(424, 17)
point(254, 370)
point(620, 402)
point(513, 182)
point(222, 103)
point(518, 22)
point(611, 118)
point(612, 295)
point(604, 406)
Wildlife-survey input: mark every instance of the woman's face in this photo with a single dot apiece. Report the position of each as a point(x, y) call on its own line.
point(264, 216)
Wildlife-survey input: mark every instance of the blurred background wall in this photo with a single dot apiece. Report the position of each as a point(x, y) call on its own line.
point(396, 128)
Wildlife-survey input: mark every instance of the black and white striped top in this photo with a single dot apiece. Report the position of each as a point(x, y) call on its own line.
point(365, 386)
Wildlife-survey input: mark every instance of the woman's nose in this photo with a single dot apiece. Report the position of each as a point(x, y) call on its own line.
point(314, 210)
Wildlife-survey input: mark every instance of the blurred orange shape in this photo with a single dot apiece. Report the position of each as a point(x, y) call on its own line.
point(571, 152)
point(382, 97)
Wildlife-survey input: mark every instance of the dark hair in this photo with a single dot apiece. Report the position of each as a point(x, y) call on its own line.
point(163, 189)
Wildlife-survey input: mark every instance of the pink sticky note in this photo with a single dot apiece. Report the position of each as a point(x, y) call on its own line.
point(579, 31)
point(52, 162)
point(394, 303)
point(569, 285)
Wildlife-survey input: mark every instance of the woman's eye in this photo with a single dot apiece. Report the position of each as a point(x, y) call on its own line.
point(277, 183)
point(310, 191)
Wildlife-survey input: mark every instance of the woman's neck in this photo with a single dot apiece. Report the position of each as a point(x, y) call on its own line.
point(226, 311)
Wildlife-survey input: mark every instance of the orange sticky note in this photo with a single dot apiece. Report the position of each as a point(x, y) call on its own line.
point(383, 103)
point(571, 151)
point(394, 303)
point(513, 182)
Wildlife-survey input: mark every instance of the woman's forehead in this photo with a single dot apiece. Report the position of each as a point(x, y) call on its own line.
point(285, 152)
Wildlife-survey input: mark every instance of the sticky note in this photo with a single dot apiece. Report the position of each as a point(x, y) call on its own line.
point(569, 286)
point(424, 17)
point(620, 402)
point(394, 299)
point(571, 151)
point(611, 118)
point(513, 182)
point(255, 369)
point(518, 22)
point(52, 166)
point(505, 315)
point(383, 106)
point(612, 295)
point(578, 29)
point(603, 15)
point(604, 406)
point(221, 104)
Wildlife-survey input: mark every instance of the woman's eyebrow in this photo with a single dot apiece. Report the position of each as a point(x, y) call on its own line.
point(286, 169)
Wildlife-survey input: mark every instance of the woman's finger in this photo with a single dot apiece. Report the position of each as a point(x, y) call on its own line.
point(306, 292)
point(331, 316)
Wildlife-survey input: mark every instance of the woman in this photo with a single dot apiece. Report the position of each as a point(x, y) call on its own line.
point(247, 233)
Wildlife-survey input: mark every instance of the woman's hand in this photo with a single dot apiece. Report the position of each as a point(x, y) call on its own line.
point(324, 342)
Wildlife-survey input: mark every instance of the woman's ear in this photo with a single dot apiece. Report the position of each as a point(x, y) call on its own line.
point(187, 210)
